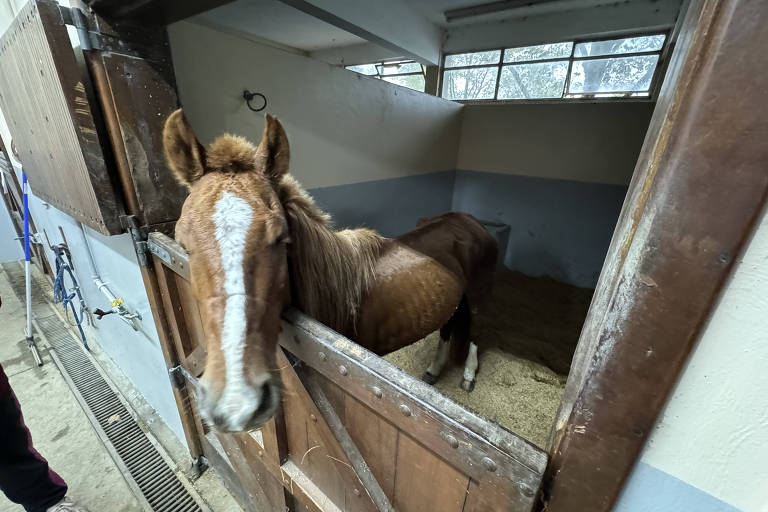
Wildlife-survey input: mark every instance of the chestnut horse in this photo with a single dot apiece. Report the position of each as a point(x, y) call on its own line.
point(257, 243)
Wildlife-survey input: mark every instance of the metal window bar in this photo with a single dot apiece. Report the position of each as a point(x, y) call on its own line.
point(571, 59)
point(381, 64)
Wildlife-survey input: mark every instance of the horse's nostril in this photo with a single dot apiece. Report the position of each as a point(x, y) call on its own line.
point(219, 419)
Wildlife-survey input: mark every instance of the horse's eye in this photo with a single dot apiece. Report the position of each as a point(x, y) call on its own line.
point(282, 239)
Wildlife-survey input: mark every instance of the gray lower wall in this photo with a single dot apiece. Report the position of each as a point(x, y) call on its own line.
point(391, 206)
point(559, 228)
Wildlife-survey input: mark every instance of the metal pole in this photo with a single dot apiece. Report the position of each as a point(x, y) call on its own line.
point(28, 273)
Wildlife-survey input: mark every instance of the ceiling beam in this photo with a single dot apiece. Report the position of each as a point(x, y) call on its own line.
point(354, 54)
point(596, 21)
point(393, 25)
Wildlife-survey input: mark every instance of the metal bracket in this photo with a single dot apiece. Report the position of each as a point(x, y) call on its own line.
point(91, 40)
point(180, 377)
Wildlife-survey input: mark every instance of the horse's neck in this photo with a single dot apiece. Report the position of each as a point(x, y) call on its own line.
point(330, 270)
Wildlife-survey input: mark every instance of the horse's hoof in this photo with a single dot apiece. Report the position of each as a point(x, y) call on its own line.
point(429, 378)
point(468, 385)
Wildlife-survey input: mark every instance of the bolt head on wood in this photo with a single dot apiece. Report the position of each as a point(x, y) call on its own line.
point(489, 464)
point(343, 369)
point(526, 491)
point(452, 441)
point(377, 392)
point(356, 491)
point(313, 418)
point(322, 356)
point(404, 409)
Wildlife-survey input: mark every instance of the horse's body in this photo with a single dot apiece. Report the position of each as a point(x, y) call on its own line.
point(253, 234)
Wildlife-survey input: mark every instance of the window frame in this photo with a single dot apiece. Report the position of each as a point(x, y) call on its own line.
point(382, 63)
point(653, 90)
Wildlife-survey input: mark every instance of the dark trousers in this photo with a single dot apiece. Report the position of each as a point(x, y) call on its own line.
point(24, 474)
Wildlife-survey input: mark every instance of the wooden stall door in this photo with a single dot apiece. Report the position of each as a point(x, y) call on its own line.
point(420, 451)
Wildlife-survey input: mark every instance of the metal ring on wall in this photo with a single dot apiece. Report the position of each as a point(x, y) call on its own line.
point(248, 96)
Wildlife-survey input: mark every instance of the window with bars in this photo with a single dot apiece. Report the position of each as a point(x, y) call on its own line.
point(400, 72)
point(611, 68)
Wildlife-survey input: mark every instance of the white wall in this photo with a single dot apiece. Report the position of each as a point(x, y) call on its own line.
point(343, 127)
point(10, 249)
point(137, 354)
point(713, 433)
point(590, 142)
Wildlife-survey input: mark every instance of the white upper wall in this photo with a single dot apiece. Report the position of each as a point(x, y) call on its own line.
point(592, 142)
point(713, 432)
point(343, 127)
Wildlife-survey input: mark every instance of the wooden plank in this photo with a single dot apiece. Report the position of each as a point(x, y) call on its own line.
point(401, 399)
point(192, 431)
point(700, 186)
point(369, 484)
point(153, 11)
point(46, 100)
point(141, 94)
point(224, 470)
point(325, 461)
point(377, 440)
point(424, 482)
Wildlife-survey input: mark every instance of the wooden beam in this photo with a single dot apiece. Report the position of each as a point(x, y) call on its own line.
point(699, 187)
point(160, 12)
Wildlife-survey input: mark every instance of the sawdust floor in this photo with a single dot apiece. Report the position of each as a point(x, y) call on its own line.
point(527, 336)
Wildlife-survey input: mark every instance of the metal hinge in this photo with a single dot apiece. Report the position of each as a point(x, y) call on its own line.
point(138, 236)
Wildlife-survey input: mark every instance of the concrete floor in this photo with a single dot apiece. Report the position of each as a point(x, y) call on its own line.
point(60, 429)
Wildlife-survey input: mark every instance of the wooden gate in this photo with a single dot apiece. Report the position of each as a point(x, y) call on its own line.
point(354, 433)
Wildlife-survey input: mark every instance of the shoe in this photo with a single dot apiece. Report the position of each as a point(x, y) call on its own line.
point(67, 505)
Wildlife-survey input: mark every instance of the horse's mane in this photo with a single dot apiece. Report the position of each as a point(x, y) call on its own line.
point(331, 270)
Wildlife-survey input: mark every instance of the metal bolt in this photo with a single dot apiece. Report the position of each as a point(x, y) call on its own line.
point(322, 356)
point(489, 464)
point(377, 392)
point(343, 369)
point(404, 409)
point(313, 417)
point(356, 491)
point(452, 441)
point(526, 491)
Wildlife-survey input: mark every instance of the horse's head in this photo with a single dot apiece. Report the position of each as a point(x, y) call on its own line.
point(234, 229)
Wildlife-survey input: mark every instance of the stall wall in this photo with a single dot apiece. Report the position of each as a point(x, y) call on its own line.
point(346, 130)
point(137, 354)
point(557, 173)
point(10, 249)
point(708, 450)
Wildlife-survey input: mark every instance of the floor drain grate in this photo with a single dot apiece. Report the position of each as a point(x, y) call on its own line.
point(150, 472)
point(147, 470)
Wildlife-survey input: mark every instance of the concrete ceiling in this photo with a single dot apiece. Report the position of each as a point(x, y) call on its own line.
point(280, 23)
point(345, 31)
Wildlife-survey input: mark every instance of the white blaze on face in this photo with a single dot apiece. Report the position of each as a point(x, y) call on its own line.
point(232, 217)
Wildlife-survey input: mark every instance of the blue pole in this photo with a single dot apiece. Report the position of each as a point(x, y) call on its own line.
point(28, 270)
point(26, 215)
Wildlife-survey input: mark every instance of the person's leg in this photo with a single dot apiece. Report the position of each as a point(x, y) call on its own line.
point(25, 477)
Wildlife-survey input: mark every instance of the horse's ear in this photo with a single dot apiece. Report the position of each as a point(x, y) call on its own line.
point(274, 149)
point(184, 154)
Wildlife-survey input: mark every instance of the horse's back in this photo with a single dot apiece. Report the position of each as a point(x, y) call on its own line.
point(459, 242)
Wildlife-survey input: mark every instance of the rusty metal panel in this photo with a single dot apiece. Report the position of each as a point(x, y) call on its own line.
point(44, 97)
